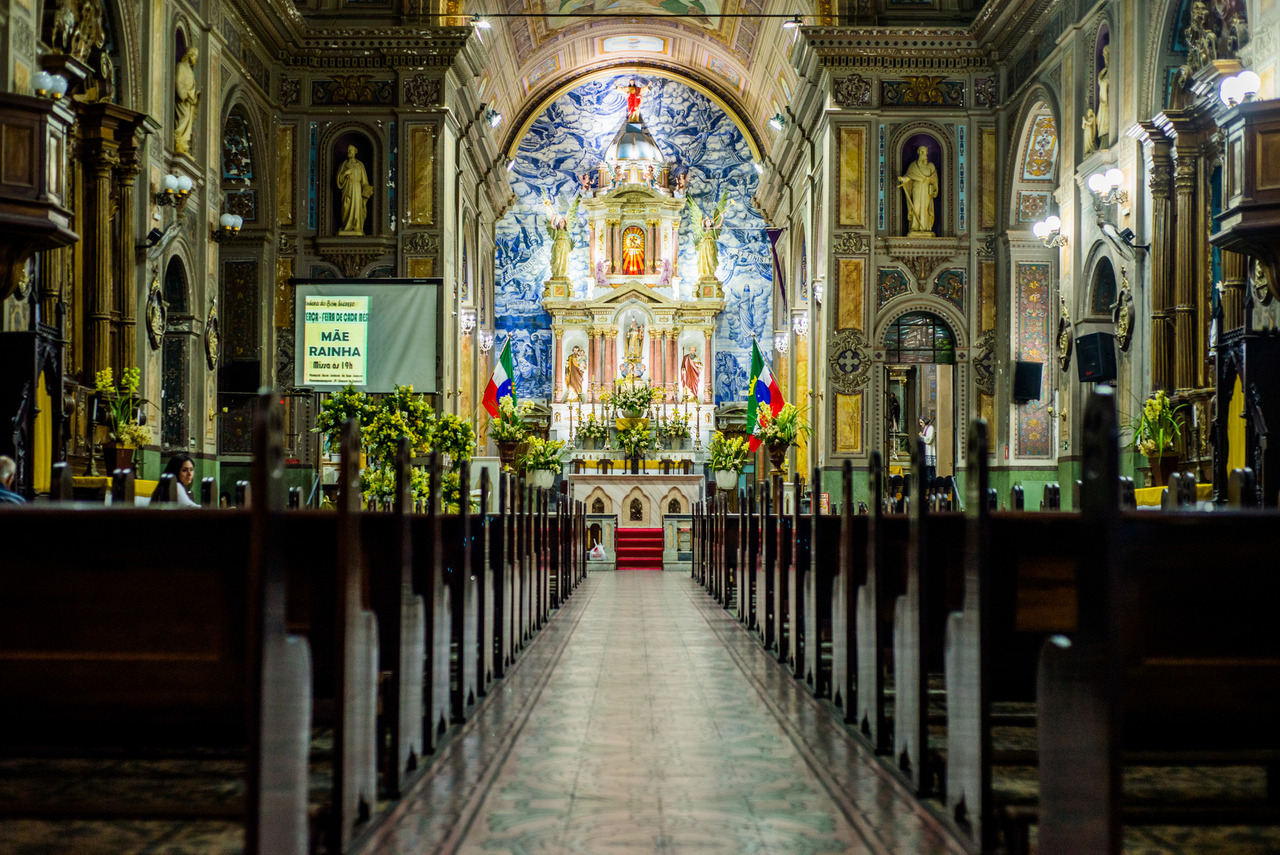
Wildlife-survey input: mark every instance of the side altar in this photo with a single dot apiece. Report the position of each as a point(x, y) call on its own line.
point(634, 319)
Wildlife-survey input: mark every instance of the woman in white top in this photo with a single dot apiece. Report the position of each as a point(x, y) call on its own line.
point(184, 472)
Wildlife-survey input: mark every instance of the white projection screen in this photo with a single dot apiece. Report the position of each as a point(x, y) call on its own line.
point(370, 333)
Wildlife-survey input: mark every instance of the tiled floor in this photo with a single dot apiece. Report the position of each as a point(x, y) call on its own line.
point(643, 719)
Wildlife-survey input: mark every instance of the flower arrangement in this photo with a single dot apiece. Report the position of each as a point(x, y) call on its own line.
point(415, 414)
point(784, 429)
point(377, 483)
point(455, 437)
point(1157, 428)
point(121, 403)
point(510, 425)
point(635, 440)
point(593, 428)
point(336, 409)
point(633, 396)
point(543, 454)
point(674, 426)
point(728, 455)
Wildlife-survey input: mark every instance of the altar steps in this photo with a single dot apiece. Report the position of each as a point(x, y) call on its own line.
point(639, 549)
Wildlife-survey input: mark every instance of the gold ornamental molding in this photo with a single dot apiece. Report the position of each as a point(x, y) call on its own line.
point(922, 256)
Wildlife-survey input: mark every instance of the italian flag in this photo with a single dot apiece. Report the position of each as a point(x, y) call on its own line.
point(500, 381)
point(763, 392)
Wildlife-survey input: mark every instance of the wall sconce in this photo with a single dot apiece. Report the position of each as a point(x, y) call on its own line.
point(1049, 230)
point(1105, 186)
point(780, 343)
point(1240, 89)
point(492, 116)
point(486, 341)
point(466, 321)
point(800, 324)
point(229, 226)
point(48, 85)
point(174, 189)
point(777, 122)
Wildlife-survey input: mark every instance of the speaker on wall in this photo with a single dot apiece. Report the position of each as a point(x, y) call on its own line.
point(1026, 381)
point(1096, 357)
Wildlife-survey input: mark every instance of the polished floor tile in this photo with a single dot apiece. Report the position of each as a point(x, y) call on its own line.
point(644, 719)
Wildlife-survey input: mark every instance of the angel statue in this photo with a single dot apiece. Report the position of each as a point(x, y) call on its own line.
point(558, 227)
point(706, 231)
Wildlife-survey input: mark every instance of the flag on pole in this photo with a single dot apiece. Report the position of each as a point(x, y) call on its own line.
point(501, 381)
point(763, 393)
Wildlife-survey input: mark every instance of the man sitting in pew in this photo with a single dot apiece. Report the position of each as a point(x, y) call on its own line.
point(7, 470)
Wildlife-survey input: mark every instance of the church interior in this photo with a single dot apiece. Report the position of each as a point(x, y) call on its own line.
point(930, 348)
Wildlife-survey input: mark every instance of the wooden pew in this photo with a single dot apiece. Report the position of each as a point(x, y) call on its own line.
point(934, 581)
point(1019, 588)
point(851, 571)
point(819, 543)
point(109, 644)
point(1175, 660)
point(797, 566)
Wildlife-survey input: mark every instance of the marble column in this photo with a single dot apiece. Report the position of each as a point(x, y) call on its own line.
point(558, 366)
point(673, 360)
point(708, 369)
point(593, 360)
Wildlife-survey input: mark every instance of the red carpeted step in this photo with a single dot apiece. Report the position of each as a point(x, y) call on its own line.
point(639, 549)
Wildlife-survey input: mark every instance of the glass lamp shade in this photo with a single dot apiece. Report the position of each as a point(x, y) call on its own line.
point(171, 183)
point(185, 184)
point(41, 82)
point(58, 85)
point(1098, 183)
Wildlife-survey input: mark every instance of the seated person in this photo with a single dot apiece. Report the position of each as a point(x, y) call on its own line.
point(184, 472)
point(8, 469)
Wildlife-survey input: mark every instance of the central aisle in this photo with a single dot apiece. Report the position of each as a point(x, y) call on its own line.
point(643, 719)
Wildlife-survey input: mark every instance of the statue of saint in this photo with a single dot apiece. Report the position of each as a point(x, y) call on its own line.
point(1104, 98)
point(706, 233)
point(353, 181)
point(691, 371)
point(635, 341)
point(1090, 125)
point(634, 93)
point(558, 226)
point(187, 101)
point(920, 184)
point(633, 253)
point(574, 369)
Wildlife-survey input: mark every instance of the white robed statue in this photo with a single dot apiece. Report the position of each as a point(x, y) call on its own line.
point(920, 184)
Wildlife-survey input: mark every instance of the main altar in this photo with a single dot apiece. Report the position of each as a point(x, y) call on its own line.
point(635, 321)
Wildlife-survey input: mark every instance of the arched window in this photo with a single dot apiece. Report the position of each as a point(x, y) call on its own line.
point(637, 510)
point(673, 507)
point(597, 507)
point(920, 337)
point(1104, 288)
point(593, 534)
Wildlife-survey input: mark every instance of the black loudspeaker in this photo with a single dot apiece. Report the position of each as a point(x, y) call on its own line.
point(1096, 357)
point(1026, 381)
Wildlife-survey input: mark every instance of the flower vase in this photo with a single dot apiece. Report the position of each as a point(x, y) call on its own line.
point(507, 454)
point(1163, 466)
point(778, 456)
point(116, 455)
point(726, 480)
point(542, 478)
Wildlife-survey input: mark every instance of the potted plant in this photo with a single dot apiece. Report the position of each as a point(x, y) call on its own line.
point(454, 438)
point(593, 431)
point(633, 397)
point(542, 459)
point(121, 403)
point(674, 429)
point(780, 432)
point(509, 430)
point(1154, 435)
point(635, 440)
point(337, 409)
point(728, 457)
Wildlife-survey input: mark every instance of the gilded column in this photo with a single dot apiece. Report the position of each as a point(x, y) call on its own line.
point(708, 368)
point(593, 360)
point(673, 361)
point(1233, 290)
point(1162, 237)
point(100, 159)
point(1186, 258)
point(558, 365)
point(655, 366)
point(126, 276)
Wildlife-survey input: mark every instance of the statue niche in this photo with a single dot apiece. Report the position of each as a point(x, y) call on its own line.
point(353, 212)
point(921, 183)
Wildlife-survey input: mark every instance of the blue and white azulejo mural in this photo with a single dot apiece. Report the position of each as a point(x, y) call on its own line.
point(569, 138)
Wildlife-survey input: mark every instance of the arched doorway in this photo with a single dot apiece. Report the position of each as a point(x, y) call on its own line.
point(174, 365)
point(920, 356)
